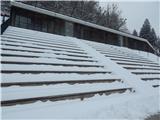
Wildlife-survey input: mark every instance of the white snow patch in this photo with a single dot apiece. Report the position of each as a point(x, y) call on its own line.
point(124, 106)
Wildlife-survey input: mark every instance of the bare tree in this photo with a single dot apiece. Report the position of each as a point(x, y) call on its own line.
point(5, 7)
point(89, 11)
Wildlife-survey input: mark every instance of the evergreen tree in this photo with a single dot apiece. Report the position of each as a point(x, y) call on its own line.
point(153, 36)
point(158, 43)
point(135, 33)
point(157, 46)
point(145, 31)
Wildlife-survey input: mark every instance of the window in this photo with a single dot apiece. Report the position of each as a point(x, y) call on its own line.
point(23, 25)
point(17, 20)
point(37, 27)
point(44, 26)
point(22, 21)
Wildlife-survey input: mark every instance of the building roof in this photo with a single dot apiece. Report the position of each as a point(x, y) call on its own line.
point(71, 19)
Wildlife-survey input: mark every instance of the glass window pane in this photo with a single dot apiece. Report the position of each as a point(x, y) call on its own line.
point(17, 20)
point(23, 19)
point(17, 17)
point(29, 21)
point(23, 25)
point(44, 27)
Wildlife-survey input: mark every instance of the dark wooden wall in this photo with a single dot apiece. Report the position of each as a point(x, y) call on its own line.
point(31, 20)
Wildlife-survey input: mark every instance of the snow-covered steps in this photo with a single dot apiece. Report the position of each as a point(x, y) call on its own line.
point(114, 51)
point(140, 67)
point(150, 78)
point(53, 82)
point(132, 60)
point(138, 64)
point(9, 38)
point(16, 92)
point(47, 52)
point(35, 41)
point(153, 82)
point(46, 61)
point(71, 96)
point(42, 77)
point(143, 67)
point(9, 53)
point(83, 71)
point(42, 66)
point(124, 57)
point(30, 34)
point(145, 72)
point(42, 48)
point(37, 56)
point(25, 95)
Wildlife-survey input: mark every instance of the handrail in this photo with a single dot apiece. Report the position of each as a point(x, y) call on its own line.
point(4, 25)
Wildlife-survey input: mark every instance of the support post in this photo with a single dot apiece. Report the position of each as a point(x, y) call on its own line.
point(120, 39)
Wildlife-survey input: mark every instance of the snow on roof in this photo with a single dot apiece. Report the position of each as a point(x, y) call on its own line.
point(71, 19)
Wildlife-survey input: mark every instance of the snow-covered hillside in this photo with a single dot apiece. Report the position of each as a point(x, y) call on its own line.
point(52, 76)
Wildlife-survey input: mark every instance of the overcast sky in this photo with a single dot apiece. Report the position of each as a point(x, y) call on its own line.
point(137, 12)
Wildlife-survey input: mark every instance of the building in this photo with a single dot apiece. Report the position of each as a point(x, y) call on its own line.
point(30, 17)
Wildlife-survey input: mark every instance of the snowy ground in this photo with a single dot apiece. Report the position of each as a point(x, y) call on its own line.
point(126, 106)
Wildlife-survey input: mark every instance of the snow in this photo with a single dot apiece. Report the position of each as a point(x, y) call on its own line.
point(145, 64)
point(153, 82)
point(46, 55)
point(131, 60)
point(45, 60)
point(16, 92)
point(138, 64)
point(137, 67)
point(149, 56)
point(129, 105)
point(51, 53)
point(145, 71)
point(17, 77)
point(14, 67)
point(22, 39)
point(127, 76)
point(124, 106)
point(47, 47)
point(149, 76)
point(42, 50)
point(125, 51)
point(118, 56)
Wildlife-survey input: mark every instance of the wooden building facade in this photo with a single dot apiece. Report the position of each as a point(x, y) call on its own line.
point(30, 17)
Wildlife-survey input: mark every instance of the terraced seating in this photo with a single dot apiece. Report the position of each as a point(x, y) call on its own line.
point(41, 66)
point(144, 68)
point(57, 92)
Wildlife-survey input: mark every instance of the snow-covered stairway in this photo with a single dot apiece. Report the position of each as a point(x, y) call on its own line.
point(137, 64)
point(41, 66)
